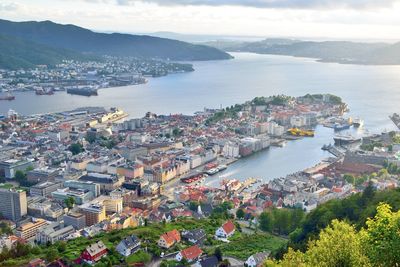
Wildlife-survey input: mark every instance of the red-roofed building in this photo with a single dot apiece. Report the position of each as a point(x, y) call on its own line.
point(168, 239)
point(94, 252)
point(190, 254)
point(226, 230)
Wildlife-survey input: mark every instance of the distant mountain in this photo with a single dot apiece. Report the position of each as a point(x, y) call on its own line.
point(86, 41)
point(17, 53)
point(328, 51)
point(203, 38)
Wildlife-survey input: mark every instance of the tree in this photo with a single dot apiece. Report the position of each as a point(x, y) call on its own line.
point(51, 255)
point(367, 194)
point(265, 221)
point(240, 213)
point(225, 263)
point(193, 205)
point(337, 245)
point(69, 202)
point(20, 176)
point(61, 246)
point(218, 254)
point(381, 239)
point(76, 148)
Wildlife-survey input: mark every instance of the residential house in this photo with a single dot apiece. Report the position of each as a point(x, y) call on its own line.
point(257, 259)
point(226, 230)
point(168, 239)
point(128, 245)
point(210, 261)
point(94, 252)
point(190, 254)
point(195, 236)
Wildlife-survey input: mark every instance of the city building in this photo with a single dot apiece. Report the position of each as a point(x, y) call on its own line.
point(53, 232)
point(75, 219)
point(84, 185)
point(13, 204)
point(8, 168)
point(29, 230)
point(42, 175)
point(94, 213)
point(44, 189)
point(79, 195)
point(107, 182)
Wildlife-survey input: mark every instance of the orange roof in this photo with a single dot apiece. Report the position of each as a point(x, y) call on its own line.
point(171, 236)
point(191, 253)
point(228, 227)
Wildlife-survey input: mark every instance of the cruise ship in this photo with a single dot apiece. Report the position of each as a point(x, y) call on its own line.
point(345, 139)
point(85, 91)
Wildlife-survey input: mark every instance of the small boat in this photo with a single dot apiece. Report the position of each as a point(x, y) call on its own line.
point(212, 171)
point(341, 127)
point(7, 97)
point(357, 122)
point(222, 167)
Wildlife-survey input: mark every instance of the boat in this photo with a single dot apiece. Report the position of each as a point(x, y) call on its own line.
point(345, 139)
point(300, 132)
point(7, 97)
point(212, 171)
point(341, 126)
point(326, 147)
point(222, 167)
point(41, 91)
point(357, 122)
point(85, 91)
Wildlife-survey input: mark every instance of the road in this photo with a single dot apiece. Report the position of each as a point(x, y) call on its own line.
point(234, 262)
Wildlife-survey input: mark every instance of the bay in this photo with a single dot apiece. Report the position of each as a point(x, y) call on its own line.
point(372, 93)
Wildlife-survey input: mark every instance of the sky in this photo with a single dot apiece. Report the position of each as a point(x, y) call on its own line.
point(329, 19)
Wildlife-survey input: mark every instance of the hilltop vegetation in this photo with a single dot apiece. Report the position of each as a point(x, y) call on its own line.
point(355, 209)
point(328, 51)
point(18, 53)
point(341, 244)
point(53, 37)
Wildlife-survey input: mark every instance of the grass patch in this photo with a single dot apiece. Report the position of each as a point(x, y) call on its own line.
point(247, 245)
point(139, 256)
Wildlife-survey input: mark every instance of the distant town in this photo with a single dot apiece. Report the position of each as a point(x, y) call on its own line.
point(79, 175)
point(85, 77)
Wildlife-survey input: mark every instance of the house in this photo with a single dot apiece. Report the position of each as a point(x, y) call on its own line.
point(210, 261)
point(257, 259)
point(195, 236)
point(128, 245)
point(94, 252)
point(190, 254)
point(168, 239)
point(226, 230)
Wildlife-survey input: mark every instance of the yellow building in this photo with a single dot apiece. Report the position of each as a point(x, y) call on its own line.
point(94, 213)
point(29, 230)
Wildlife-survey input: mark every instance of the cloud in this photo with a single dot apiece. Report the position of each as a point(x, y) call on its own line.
point(288, 4)
point(8, 6)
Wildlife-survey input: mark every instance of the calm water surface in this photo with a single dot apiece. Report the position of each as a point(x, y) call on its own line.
point(372, 92)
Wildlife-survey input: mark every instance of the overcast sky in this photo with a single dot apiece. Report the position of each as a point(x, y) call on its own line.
point(341, 19)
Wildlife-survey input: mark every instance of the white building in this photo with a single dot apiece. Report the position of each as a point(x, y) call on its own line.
point(230, 150)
